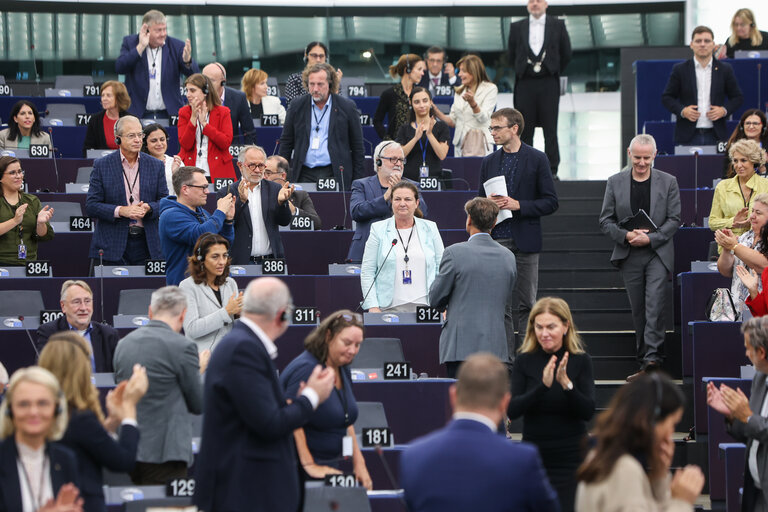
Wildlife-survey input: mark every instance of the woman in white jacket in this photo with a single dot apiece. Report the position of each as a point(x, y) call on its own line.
point(254, 85)
point(213, 301)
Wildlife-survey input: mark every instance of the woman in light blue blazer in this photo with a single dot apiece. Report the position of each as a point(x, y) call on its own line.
point(406, 273)
point(213, 301)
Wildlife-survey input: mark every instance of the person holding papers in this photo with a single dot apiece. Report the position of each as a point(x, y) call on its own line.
point(401, 257)
point(645, 256)
point(527, 194)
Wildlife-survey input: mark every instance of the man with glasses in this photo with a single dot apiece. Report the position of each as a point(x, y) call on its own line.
point(123, 196)
point(372, 196)
point(77, 305)
point(438, 72)
point(530, 195)
point(260, 206)
point(300, 203)
point(183, 220)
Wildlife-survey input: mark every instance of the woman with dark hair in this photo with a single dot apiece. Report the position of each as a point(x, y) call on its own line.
point(101, 128)
point(753, 126)
point(315, 52)
point(23, 220)
point(629, 467)
point(554, 391)
point(205, 130)
point(320, 443)
point(424, 139)
point(67, 355)
point(394, 103)
point(254, 85)
point(213, 301)
point(744, 35)
point(24, 128)
point(408, 273)
point(156, 144)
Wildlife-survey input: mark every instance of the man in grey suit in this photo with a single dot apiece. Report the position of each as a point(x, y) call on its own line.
point(746, 419)
point(644, 255)
point(476, 282)
point(175, 389)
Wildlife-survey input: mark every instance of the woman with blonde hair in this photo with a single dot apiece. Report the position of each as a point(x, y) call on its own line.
point(395, 103)
point(473, 104)
point(260, 103)
point(554, 391)
point(32, 416)
point(744, 35)
point(67, 356)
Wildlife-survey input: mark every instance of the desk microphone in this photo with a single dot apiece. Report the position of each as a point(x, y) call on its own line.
point(344, 201)
point(55, 163)
point(277, 143)
point(101, 284)
point(390, 476)
point(31, 341)
point(394, 243)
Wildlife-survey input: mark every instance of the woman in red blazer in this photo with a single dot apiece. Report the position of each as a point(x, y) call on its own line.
point(205, 126)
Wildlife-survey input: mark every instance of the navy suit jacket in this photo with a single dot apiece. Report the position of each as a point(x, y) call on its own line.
point(94, 450)
point(63, 470)
point(104, 339)
point(465, 466)
point(107, 190)
point(237, 104)
point(444, 80)
point(136, 70)
point(533, 186)
point(681, 91)
point(273, 214)
point(345, 138)
point(247, 459)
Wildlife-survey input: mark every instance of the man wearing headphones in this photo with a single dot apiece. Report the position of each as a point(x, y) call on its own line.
point(247, 459)
point(235, 101)
point(371, 196)
point(123, 196)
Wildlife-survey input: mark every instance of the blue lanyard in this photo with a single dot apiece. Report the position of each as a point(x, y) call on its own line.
point(423, 150)
point(318, 121)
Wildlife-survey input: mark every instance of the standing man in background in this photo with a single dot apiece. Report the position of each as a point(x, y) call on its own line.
point(539, 50)
point(235, 101)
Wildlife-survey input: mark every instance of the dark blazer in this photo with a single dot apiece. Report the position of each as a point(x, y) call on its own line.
point(533, 186)
point(301, 200)
point(444, 80)
point(465, 466)
point(557, 44)
point(107, 190)
point(273, 213)
point(63, 471)
point(95, 449)
point(367, 206)
point(345, 138)
point(94, 134)
point(681, 91)
point(247, 459)
point(136, 71)
point(104, 339)
point(240, 113)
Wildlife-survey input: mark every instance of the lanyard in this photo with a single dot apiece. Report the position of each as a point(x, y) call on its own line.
point(199, 134)
point(318, 121)
point(745, 198)
point(405, 246)
point(13, 209)
point(129, 185)
point(423, 149)
point(37, 499)
point(343, 398)
point(154, 55)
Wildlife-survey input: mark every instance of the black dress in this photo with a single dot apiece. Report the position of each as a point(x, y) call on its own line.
point(422, 151)
point(554, 420)
point(395, 105)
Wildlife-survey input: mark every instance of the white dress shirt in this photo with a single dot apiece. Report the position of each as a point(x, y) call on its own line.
point(201, 145)
point(155, 96)
point(703, 89)
point(416, 292)
point(752, 455)
point(260, 243)
point(536, 33)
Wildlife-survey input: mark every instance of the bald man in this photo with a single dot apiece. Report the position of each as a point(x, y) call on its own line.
point(236, 102)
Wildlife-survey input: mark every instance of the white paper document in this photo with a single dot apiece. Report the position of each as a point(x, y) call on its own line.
point(497, 186)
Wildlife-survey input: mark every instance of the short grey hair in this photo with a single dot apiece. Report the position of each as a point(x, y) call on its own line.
point(250, 147)
point(69, 283)
point(153, 17)
point(757, 330)
point(267, 301)
point(184, 176)
point(643, 139)
point(169, 300)
point(383, 145)
point(121, 121)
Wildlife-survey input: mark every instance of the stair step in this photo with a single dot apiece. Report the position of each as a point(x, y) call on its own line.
point(581, 259)
point(580, 188)
point(596, 298)
point(571, 278)
point(571, 241)
point(580, 205)
point(571, 223)
point(606, 344)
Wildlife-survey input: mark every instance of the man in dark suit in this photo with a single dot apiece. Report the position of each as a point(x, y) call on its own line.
point(439, 73)
point(123, 197)
point(300, 203)
point(247, 459)
point(746, 418)
point(152, 64)
point(235, 101)
point(645, 255)
point(530, 195)
point(322, 136)
point(468, 465)
point(173, 367)
point(539, 50)
point(260, 207)
point(77, 305)
point(696, 93)
point(476, 284)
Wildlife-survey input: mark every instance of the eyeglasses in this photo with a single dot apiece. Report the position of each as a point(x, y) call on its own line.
point(81, 302)
point(139, 135)
point(317, 56)
point(753, 123)
point(201, 187)
point(497, 128)
point(272, 173)
point(254, 166)
point(394, 159)
point(19, 172)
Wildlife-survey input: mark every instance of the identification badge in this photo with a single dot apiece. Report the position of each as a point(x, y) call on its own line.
point(22, 252)
point(153, 73)
point(315, 142)
point(423, 171)
point(406, 277)
point(346, 446)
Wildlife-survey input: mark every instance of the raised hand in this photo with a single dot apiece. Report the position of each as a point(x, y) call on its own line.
point(749, 278)
point(715, 400)
point(285, 192)
point(143, 39)
point(18, 217)
point(45, 215)
point(687, 484)
point(548, 374)
point(562, 375)
point(186, 54)
point(235, 304)
point(224, 204)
